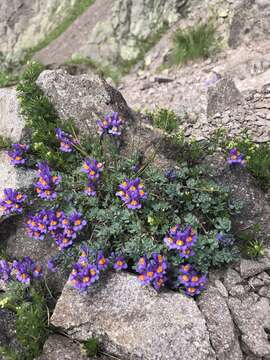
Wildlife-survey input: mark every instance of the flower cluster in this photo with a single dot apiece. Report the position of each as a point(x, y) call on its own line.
point(24, 271)
point(110, 125)
point(66, 140)
point(152, 271)
point(45, 187)
point(132, 192)
point(181, 240)
point(57, 225)
point(236, 157)
point(192, 281)
point(93, 169)
point(12, 201)
point(17, 153)
point(86, 272)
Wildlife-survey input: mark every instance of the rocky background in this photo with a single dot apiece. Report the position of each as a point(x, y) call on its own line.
point(231, 320)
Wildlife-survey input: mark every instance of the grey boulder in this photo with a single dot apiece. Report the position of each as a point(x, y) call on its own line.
point(134, 322)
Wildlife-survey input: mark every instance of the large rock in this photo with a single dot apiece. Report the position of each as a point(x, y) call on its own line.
point(24, 23)
point(252, 317)
point(83, 98)
point(250, 268)
point(134, 322)
point(87, 97)
point(11, 122)
point(220, 325)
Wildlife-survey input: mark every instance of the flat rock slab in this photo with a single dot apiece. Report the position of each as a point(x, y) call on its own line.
point(250, 268)
point(220, 325)
point(134, 322)
point(11, 122)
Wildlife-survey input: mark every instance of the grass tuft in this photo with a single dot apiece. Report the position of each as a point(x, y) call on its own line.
point(194, 43)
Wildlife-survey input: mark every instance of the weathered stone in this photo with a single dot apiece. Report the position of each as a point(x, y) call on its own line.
point(250, 268)
point(11, 122)
point(220, 325)
point(83, 98)
point(231, 278)
point(250, 22)
point(221, 95)
point(58, 347)
point(221, 288)
point(252, 317)
point(264, 277)
point(238, 291)
point(134, 322)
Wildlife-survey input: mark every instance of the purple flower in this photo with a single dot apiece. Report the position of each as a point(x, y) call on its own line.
point(66, 140)
point(236, 158)
point(132, 192)
point(51, 265)
point(37, 271)
point(5, 270)
point(91, 188)
point(192, 281)
point(110, 125)
point(120, 263)
point(181, 240)
point(142, 264)
point(82, 277)
point(170, 174)
point(77, 222)
point(225, 239)
point(12, 201)
point(152, 271)
point(93, 169)
point(26, 269)
point(45, 187)
point(102, 261)
point(17, 153)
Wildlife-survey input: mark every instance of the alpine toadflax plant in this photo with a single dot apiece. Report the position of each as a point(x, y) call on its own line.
point(132, 192)
point(45, 187)
point(56, 225)
point(181, 240)
point(152, 270)
point(23, 271)
point(236, 158)
point(110, 125)
point(66, 140)
point(12, 201)
point(192, 281)
point(93, 169)
point(17, 154)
